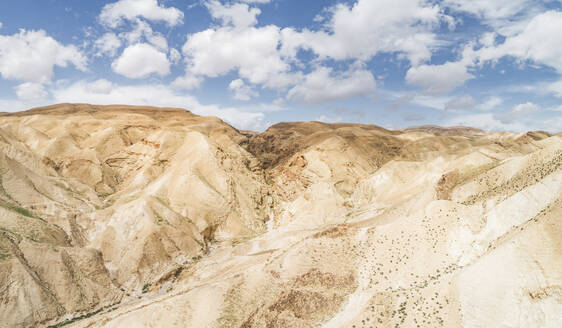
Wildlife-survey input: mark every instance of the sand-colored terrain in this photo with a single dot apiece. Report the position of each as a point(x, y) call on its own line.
point(120, 216)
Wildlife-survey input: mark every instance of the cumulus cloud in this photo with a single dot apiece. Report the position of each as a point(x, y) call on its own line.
point(265, 55)
point(101, 86)
point(252, 52)
point(188, 82)
point(517, 112)
point(98, 92)
point(488, 122)
point(369, 27)
point(489, 10)
point(108, 44)
point(142, 31)
point(439, 78)
point(304, 64)
point(175, 56)
point(113, 14)
point(241, 90)
point(239, 15)
point(324, 85)
point(141, 60)
point(519, 119)
point(491, 103)
point(535, 41)
point(526, 108)
point(499, 14)
point(458, 104)
point(429, 101)
point(31, 91)
point(256, 1)
point(539, 42)
point(30, 56)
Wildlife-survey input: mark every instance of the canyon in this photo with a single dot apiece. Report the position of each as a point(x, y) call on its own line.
point(124, 216)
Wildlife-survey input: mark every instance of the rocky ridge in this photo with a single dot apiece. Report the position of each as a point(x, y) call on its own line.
point(120, 216)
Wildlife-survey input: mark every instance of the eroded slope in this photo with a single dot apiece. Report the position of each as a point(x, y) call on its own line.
point(125, 216)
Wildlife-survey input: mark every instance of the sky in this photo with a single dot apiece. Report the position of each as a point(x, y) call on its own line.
point(494, 65)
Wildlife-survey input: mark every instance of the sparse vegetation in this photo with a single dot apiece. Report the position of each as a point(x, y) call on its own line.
point(368, 226)
point(17, 209)
point(146, 287)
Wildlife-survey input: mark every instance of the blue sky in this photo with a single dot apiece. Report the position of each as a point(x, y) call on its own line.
point(495, 65)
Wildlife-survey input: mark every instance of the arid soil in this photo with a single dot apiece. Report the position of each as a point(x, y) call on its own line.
point(120, 216)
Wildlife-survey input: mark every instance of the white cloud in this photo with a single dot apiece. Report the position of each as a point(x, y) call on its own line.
point(539, 42)
point(488, 122)
point(435, 102)
point(553, 125)
point(256, 1)
point(490, 103)
point(517, 112)
point(369, 27)
point(463, 102)
point(439, 78)
point(188, 82)
point(265, 55)
point(141, 60)
point(152, 95)
point(526, 108)
point(101, 86)
point(108, 44)
point(113, 14)
point(488, 39)
point(175, 56)
point(252, 52)
point(1, 25)
point(502, 15)
point(239, 15)
point(536, 41)
point(31, 91)
point(323, 85)
point(31, 56)
point(241, 90)
point(489, 10)
point(143, 31)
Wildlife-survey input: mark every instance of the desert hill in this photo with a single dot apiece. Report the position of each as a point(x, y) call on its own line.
point(122, 216)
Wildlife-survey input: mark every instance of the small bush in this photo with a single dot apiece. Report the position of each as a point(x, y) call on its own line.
point(145, 288)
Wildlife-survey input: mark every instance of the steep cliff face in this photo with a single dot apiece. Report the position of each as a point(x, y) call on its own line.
point(124, 216)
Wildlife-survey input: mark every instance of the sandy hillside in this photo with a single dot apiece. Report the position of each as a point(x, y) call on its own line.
point(120, 216)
